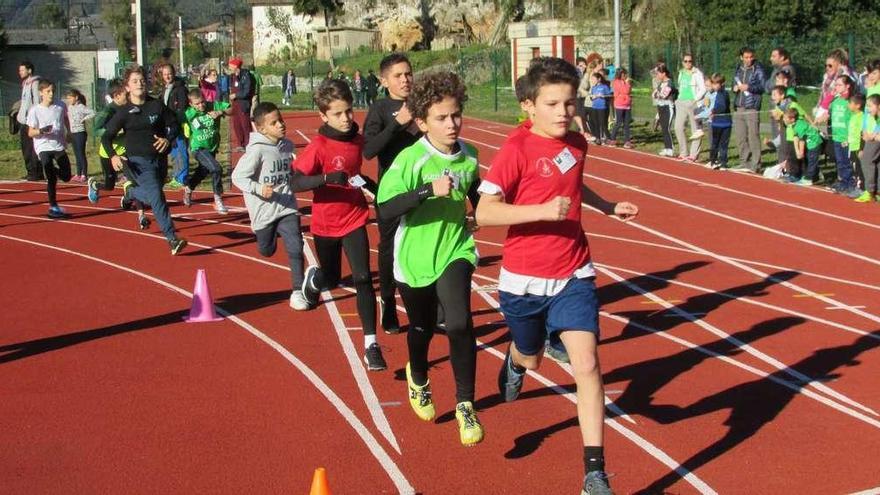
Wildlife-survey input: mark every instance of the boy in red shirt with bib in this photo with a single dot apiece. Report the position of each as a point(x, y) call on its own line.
point(535, 186)
point(331, 166)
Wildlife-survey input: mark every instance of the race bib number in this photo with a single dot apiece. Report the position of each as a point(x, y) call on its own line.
point(356, 181)
point(565, 160)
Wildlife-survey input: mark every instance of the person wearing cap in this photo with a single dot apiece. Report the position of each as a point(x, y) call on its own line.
point(241, 91)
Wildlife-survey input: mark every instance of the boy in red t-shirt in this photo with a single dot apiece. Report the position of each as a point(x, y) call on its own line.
point(534, 180)
point(331, 166)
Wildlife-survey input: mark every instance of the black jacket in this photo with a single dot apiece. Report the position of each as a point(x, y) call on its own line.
point(178, 100)
point(383, 136)
point(141, 124)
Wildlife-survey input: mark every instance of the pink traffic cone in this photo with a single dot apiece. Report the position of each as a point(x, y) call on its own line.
point(202, 304)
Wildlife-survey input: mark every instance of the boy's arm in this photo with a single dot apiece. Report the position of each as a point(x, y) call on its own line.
point(492, 211)
point(377, 135)
point(624, 210)
point(242, 176)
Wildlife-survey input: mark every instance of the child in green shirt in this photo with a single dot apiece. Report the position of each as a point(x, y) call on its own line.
point(203, 117)
point(807, 144)
point(839, 115)
point(871, 151)
point(854, 136)
point(434, 252)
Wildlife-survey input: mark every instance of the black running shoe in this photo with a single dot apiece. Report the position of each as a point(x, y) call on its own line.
point(373, 358)
point(177, 245)
point(309, 288)
point(388, 316)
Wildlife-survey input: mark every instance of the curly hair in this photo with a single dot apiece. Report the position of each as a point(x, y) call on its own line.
point(432, 89)
point(331, 90)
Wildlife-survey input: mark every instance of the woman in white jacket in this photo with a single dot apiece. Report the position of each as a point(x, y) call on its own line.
point(691, 89)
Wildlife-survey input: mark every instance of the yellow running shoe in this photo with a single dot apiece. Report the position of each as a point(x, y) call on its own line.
point(420, 397)
point(469, 427)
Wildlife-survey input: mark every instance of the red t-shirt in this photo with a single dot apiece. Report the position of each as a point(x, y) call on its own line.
point(529, 170)
point(336, 210)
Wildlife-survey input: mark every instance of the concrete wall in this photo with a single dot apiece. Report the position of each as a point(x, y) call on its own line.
point(343, 41)
point(270, 42)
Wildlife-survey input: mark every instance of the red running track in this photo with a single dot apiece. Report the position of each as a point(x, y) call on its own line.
point(740, 335)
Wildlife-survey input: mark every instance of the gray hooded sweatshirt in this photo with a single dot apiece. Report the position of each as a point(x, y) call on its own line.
point(265, 163)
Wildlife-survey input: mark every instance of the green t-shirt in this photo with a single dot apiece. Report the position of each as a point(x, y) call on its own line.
point(873, 90)
point(839, 110)
point(434, 234)
point(685, 90)
point(204, 130)
point(789, 130)
point(855, 131)
point(804, 131)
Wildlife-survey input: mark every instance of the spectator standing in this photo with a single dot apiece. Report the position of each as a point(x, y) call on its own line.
point(288, 87)
point(372, 88)
point(241, 92)
point(781, 61)
point(208, 85)
point(664, 99)
point(174, 96)
point(357, 87)
point(748, 87)
point(691, 89)
point(30, 97)
point(622, 89)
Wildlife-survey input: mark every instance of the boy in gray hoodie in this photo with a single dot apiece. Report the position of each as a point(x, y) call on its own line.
point(263, 175)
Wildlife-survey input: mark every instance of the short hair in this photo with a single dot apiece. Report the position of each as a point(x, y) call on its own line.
point(580, 59)
point(262, 109)
point(115, 86)
point(44, 83)
point(782, 52)
point(785, 74)
point(792, 113)
point(519, 88)
point(195, 93)
point(548, 70)
point(874, 65)
point(718, 78)
point(779, 89)
point(432, 89)
point(130, 71)
point(393, 59)
point(27, 64)
point(746, 49)
point(858, 99)
point(875, 99)
point(329, 91)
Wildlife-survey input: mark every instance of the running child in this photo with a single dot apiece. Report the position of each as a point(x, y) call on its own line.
point(47, 126)
point(871, 153)
point(435, 254)
point(77, 114)
point(807, 146)
point(331, 167)
point(721, 122)
point(622, 89)
point(263, 175)
point(203, 117)
point(149, 128)
point(546, 285)
point(388, 129)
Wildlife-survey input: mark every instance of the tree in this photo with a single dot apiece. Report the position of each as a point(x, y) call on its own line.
point(329, 8)
point(3, 39)
point(117, 15)
point(50, 15)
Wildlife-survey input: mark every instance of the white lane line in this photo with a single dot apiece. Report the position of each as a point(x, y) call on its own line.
point(655, 452)
point(847, 307)
point(388, 464)
point(870, 491)
point(707, 184)
point(372, 402)
point(801, 377)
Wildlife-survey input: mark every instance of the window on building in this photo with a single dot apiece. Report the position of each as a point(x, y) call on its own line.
point(536, 52)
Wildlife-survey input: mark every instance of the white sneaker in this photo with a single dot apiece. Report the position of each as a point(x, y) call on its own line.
point(187, 196)
point(219, 207)
point(697, 135)
point(298, 301)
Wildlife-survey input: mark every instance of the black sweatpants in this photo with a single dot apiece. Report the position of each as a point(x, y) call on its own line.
point(720, 143)
point(357, 249)
point(32, 163)
point(78, 140)
point(452, 290)
point(49, 160)
point(110, 174)
point(599, 124)
point(288, 228)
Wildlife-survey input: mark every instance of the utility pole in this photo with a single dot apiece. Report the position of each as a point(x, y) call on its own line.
point(139, 31)
point(180, 42)
point(617, 61)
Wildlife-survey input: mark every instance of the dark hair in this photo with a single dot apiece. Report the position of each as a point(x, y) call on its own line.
point(580, 59)
point(746, 49)
point(600, 76)
point(779, 89)
point(621, 73)
point(875, 99)
point(662, 69)
point(391, 60)
point(858, 99)
point(262, 109)
point(718, 78)
point(77, 95)
point(519, 88)
point(432, 89)
point(44, 83)
point(27, 64)
point(195, 93)
point(792, 113)
point(874, 65)
point(850, 84)
point(329, 91)
point(129, 71)
point(548, 70)
point(785, 73)
point(782, 52)
point(115, 86)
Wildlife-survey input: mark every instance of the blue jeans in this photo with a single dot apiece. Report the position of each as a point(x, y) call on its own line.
point(208, 164)
point(844, 166)
point(149, 179)
point(181, 159)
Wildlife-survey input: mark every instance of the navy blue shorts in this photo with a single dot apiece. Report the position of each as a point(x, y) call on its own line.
point(532, 318)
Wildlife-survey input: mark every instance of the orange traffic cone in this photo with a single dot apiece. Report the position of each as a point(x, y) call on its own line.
point(202, 305)
point(319, 483)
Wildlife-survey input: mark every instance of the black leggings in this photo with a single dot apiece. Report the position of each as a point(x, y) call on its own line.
point(110, 174)
point(599, 124)
point(665, 123)
point(49, 160)
point(357, 250)
point(453, 291)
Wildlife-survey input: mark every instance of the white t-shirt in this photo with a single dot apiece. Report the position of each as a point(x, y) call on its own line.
point(52, 116)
